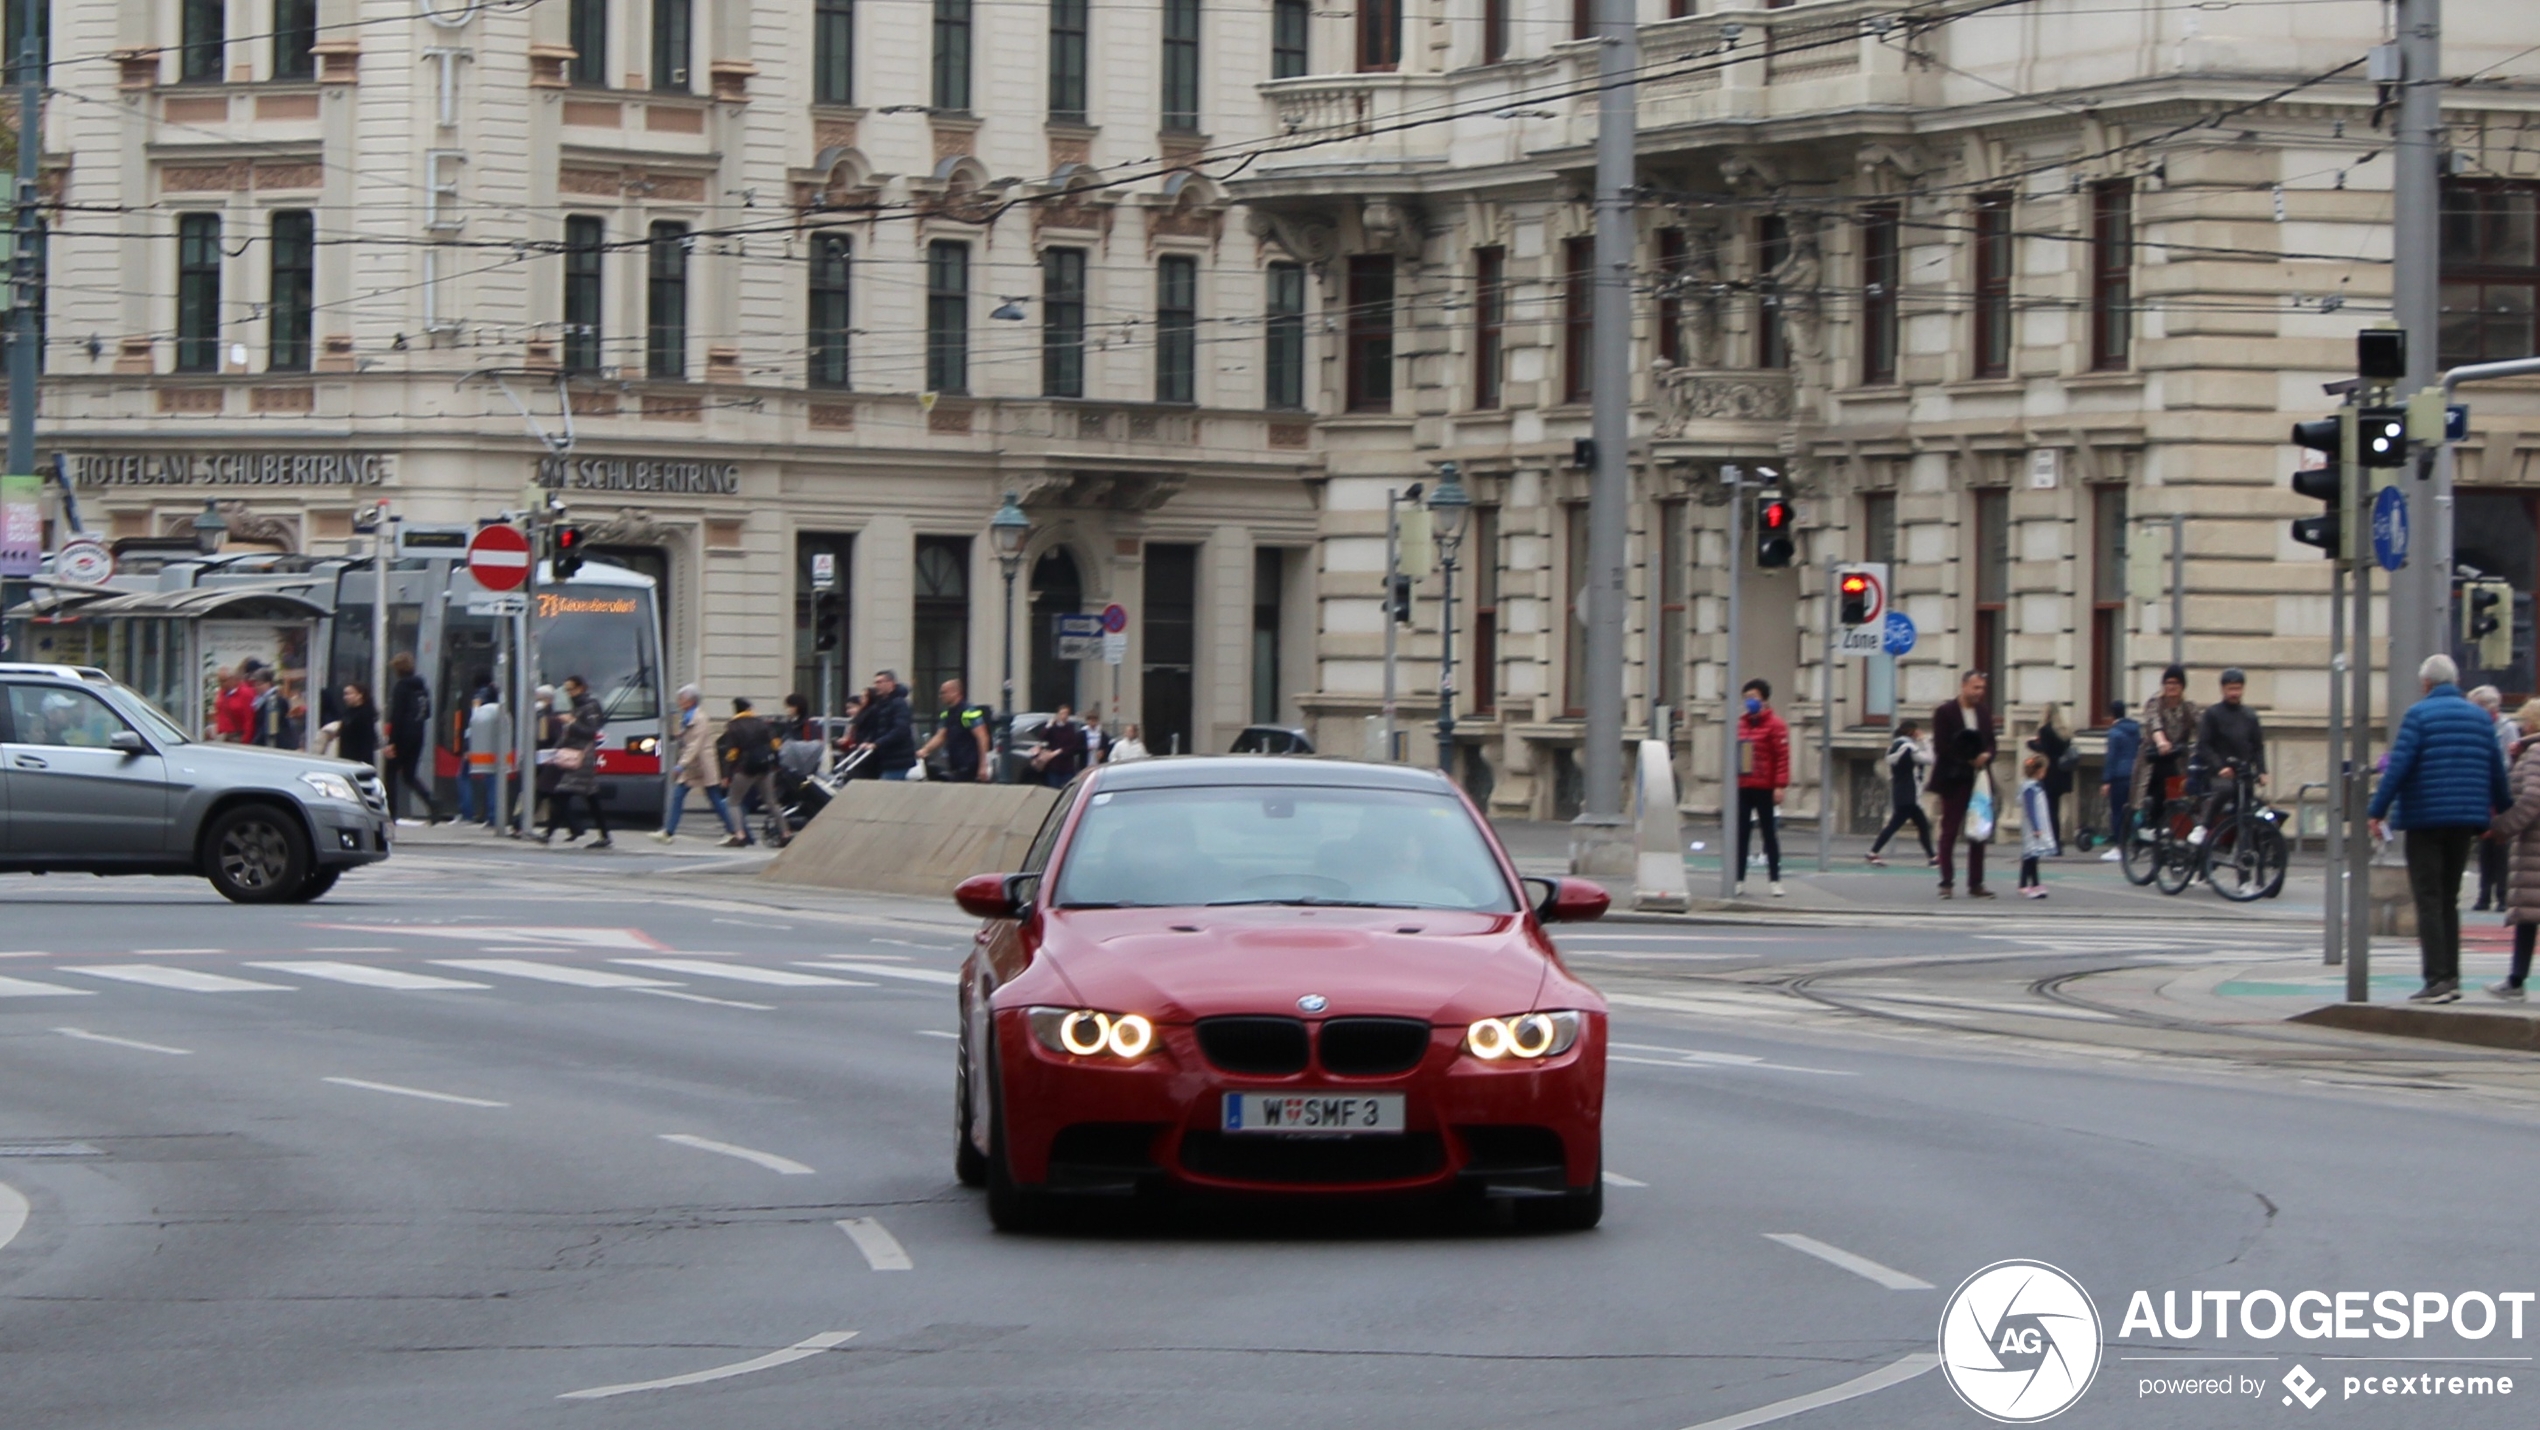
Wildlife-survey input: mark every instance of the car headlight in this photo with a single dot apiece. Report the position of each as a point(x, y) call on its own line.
point(1523, 1037)
point(331, 786)
point(1085, 1033)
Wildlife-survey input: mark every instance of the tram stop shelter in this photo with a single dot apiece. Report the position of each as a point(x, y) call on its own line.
point(172, 645)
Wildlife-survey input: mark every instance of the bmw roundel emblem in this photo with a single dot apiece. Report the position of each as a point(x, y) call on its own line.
point(1313, 1003)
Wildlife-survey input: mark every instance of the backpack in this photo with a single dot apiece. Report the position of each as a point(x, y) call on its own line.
point(758, 757)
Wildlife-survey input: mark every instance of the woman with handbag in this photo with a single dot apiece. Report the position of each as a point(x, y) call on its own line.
point(2062, 757)
point(577, 765)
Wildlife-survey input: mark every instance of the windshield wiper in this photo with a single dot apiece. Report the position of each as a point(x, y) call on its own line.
point(1306, 901)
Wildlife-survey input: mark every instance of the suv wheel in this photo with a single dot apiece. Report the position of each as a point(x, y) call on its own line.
point(315, 886)
point(256, 854)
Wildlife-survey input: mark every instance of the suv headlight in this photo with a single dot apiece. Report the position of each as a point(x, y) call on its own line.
point(1522, 1037)
point(1085, 1033)
point(331, 786)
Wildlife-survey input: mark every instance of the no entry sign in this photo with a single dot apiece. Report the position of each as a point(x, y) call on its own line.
point(498, 558)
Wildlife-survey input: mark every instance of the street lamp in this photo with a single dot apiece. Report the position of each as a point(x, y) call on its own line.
point(1010, 530)
point(1449, 509)
point(211, 528)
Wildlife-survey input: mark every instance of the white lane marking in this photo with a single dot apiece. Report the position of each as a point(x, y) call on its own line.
point(184, 980)
point(160, 952)
point(884, 970)
point(1887, 1276)
point(786, 1166)
point(29, 988)
point(742, 973)
point(24, 953)
point(548, 939)
point(1736, 1061)
point(936, 1033)
point(882, 1251)
point(1725, 1003)
point(1617, 1179)
point(701, 998)
point(755, 924)
point(552, 973)
point(1893, 1373)
point(396, 979)
point(799, 1350)
point(1669, 938)
point(13, 1212)
point(355, 948)
point(86, 1036)
point(412, 1092)
point(905, 943)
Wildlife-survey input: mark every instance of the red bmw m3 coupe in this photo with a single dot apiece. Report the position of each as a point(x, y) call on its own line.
point(1276, 977)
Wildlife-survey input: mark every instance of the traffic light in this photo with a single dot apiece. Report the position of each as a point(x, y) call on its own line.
point(2323, 484)
point(1854, 589)
point(2486, 607)
point(824, 621)
point(565, 550)
point(1772, 530)
point(1398, 601)
point(2381, 436)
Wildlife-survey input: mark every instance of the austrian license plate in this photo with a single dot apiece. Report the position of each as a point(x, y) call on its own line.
point(1313, 1112)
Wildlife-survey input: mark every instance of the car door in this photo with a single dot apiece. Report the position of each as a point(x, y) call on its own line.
point(71, 793)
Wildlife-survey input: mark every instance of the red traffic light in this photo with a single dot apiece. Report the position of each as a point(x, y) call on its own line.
point(1856, 585)
point(1774, 516)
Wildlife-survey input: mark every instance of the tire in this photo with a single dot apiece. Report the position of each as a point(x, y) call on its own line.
point(1012, 1206)
point(970, 1165)
point(1570, 1211)
point(315, 886)
point(2275, 856)
point(2139, 857)
point(2179, 864)
point(256, 854)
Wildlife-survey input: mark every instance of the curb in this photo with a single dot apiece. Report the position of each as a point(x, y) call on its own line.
point(2519, 1032)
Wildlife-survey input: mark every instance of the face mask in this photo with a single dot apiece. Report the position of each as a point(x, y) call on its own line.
point(1754, 706)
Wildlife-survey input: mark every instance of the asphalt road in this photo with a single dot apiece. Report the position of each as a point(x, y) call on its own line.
point(540, 1140)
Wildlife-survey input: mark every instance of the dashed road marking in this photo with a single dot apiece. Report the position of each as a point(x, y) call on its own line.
point(363, 976)
point(741, 973)
point(882, 1251)
point(13, 1213)
point(702, 998)
point(86, 1036)
point(425, 1094)
point(884, 970)
point(1617, 1179)
point(553, 973)
point(784, 1166)
point(183, 980)
point(29, 988)
point(1894, 1373)
point(1887, 1276)
point(799, 1350)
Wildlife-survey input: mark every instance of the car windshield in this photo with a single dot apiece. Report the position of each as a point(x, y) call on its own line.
point(1261, 844)
point(138, 708)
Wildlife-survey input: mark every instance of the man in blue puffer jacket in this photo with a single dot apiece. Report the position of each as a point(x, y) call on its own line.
point(2448, 780)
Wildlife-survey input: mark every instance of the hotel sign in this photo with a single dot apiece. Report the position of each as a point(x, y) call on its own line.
point(224, 468)
point(622, 474)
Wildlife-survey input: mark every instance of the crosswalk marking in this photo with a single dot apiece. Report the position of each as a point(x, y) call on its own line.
point(396, 979)
point(884, 970)
point(183, 980)
point(553, 973)
point(29, 988)
point(742, 973)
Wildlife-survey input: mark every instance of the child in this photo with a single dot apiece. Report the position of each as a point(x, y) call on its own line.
point(2037, 833)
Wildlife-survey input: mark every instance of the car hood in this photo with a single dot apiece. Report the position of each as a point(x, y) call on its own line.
point(1177, 965)
point(254, 763)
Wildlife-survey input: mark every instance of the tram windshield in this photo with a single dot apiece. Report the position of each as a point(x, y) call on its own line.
point(606, 635)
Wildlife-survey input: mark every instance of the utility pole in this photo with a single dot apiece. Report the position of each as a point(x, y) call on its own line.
point(1393, 567)
point(22, 271)
point(1825, 725)
point(2358, 775)
point(1732, 868)
point(2333, 883)
point(1598, 843)
point(2421, 593)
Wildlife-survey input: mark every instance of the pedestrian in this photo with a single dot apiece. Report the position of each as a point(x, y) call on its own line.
point(578, 767)
point(1763, 773)
point(2037, 824)
point(462, 740)
point(485, 730)
point(548, 727)
point(886, 724)
point(2229, 738)
point(409, 736)
point(1128, 746)
point(357, 729)
point(2448, 781)
point(2062, 756)
point(749, 756)
point(798, 721)
point(1962, 753)
point(1097, 744)
point(271, 717)
point(959, 746)
point(2125, 741)
point(2517, 831)
point(1062, 751)
point(234, 704)
point(1908, 766)
point(2169, 733)
point(694, 768)
point(2492, 853)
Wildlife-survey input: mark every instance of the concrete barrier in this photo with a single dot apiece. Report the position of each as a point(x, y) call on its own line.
point(888, 837)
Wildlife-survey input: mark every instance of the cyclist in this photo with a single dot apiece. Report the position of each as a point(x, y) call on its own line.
point(2169, 732)
point(2228, 738)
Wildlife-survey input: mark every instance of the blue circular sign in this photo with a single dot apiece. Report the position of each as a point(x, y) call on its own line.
point(2390, 528)
point(1898, 637)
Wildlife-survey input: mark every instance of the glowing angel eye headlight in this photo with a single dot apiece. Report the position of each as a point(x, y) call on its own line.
point(1085, 1033)
point(1523, 1036)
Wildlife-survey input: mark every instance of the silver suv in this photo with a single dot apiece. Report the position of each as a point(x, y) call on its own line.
point(95, 779)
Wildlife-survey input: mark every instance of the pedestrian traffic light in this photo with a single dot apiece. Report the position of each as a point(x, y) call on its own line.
point(2381, 436)
point(1398, 601)
point(824, 621)
point(2326, 531)
point(2485, 624)
point(565, 550)
point(1772, 530)
point(1854, 589)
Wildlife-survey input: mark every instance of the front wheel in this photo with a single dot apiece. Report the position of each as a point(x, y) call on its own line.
point(316, 886)
point(2139, 852)
point(256, 854)
point(970, 1165)
point(1012, 1207)
point(2179, 863)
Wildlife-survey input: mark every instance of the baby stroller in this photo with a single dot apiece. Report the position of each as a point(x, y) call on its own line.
point(801, 790)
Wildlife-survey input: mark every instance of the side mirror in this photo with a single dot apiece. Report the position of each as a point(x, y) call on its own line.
point(1569, 901)
point(993, 896)
point(127, 742)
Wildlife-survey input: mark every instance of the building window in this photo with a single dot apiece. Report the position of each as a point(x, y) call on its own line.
point(204, 56)
point(833, 52)
point(821, 621)
point(198, 258)
point(1675, 574)
point(294, 38)
point(1485, 672)
point(1991, 548)
point(673, 44)
point(952, 55)
point(1574, 534)
point(1181, 64)
point(2109, 536)
point(1269, 588)
point(1671, 307)
point(947, 316)
point(294, 283)
point(1070, 31)
point(1370, 358)
point(1878, 669)
point(2491, 273)
point(1772, 249)
point(1993, 285)
point(832, 263)
point(1379, 35)
point(1578, 318)
point(1063, 322)
point(1283, 357)
point(1494, 31)
point(939, 628)
point(1170, 625)
point(1490, 324)
point(1583, 19)
point(666, 302)
point(1879, 271)
point(1176, 328)
point(588, 28)
point(1290, 20)
point(583, 237)
point(2111, 274)
point(1678, 9)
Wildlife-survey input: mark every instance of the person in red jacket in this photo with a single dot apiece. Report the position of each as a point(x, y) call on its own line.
point(1763, 772)
point(234, 706)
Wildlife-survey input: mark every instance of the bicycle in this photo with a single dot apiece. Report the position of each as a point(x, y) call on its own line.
point(2245, 853)
point(2155, 850)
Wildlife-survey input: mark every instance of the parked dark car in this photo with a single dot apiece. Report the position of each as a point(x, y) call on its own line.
point(1272, 740)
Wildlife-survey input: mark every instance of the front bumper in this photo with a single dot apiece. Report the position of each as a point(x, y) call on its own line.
point(1099, 1126)
point(342, 834)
